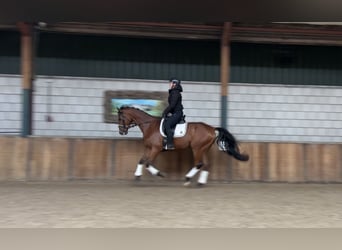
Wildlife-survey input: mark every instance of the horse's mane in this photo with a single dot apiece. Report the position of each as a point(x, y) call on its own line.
point(132, 107)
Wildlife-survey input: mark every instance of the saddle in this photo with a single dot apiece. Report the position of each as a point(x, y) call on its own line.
point(179, 130)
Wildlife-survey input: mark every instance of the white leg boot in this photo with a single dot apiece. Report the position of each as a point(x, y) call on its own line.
point(139, 170)
point(152, 170)
point(189, 175)
point(203, 178)
point(192, 172)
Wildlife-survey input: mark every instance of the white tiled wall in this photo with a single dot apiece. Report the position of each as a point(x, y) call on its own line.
point(255, 112)
point(285, 113)
point(76, 105)
point(10, 104)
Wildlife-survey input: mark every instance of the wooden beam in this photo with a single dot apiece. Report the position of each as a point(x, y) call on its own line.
point(26, 54)
point(225, 70)
point(225, 57)
point(140, 29)
point(279, 33)
point(296, 34)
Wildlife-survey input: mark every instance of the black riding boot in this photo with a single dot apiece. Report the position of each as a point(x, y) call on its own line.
point(169, 141)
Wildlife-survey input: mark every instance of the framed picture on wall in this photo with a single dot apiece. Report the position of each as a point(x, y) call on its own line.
point(152, 103)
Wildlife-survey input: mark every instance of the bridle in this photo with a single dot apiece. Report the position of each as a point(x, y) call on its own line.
point(123, 128)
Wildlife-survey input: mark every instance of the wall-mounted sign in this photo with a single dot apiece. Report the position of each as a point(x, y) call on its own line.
point(152, 103)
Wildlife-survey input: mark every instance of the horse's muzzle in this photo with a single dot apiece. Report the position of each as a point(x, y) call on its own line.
point(123, 130)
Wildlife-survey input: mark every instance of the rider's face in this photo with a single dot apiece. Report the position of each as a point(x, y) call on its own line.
point(171, 85)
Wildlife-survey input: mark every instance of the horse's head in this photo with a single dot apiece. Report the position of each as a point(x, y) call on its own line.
point(126, 120)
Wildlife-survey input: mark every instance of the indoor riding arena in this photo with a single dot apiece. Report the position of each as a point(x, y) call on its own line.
point(275, 87)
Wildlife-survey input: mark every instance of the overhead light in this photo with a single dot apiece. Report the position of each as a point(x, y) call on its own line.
point(42, 24)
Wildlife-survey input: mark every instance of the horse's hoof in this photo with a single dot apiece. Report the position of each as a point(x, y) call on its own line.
point(137, 178)
point(187, 183)
point(200, 185)
point(160, 174)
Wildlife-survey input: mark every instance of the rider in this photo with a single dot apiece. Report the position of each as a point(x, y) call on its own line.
point(173, 113)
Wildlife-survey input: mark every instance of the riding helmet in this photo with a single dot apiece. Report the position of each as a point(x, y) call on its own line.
point(175, 80)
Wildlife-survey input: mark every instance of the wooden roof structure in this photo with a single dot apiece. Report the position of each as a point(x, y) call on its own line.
point(328, 34)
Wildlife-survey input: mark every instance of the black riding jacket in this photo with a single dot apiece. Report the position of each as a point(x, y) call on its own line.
point(174, 100)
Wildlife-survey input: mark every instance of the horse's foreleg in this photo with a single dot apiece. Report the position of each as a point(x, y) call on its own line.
point(141, 164)
point(147, 161)
point(153, 154)
point(140, 168)
point(150, 168)
point(149, 165)
point(154, 171)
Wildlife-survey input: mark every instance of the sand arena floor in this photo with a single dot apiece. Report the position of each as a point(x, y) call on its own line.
point(164, 204)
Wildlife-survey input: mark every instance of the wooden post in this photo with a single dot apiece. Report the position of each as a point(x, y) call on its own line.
point(27, 75)
point(225, 71)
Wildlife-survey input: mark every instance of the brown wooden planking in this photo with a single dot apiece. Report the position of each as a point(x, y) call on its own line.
point(127, 156)
point(13, 158)
point(313, 165)
point(283, 159)
point(49, 159)
point(90, 158)
point(19, 160)
point(323, 162)
point(53, 158)
point(220, 162)
point(257, 161)
point(243, 170)
point(273, 171)
point(285, 162)
point(330, 168)
point(290, 160)
point(258, 158)
point(7, 146)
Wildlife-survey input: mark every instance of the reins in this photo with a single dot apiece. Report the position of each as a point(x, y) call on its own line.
point(138, 124)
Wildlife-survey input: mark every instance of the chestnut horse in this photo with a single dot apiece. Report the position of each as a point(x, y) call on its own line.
point(199, 136)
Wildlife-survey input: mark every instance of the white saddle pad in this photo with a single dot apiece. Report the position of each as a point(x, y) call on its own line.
point(180, 129)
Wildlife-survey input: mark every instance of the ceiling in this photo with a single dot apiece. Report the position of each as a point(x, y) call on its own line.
point(53, 11)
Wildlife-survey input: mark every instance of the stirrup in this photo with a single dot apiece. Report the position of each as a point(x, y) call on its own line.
point(169, 147)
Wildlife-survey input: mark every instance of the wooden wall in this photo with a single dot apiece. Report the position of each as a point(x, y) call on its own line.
point(41, 158)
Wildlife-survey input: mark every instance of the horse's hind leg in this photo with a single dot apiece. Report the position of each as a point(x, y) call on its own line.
point(203, 177)
point(192, 173)
point(201, 166)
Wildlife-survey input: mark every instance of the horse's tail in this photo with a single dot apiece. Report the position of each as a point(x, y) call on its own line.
point(227, 143)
